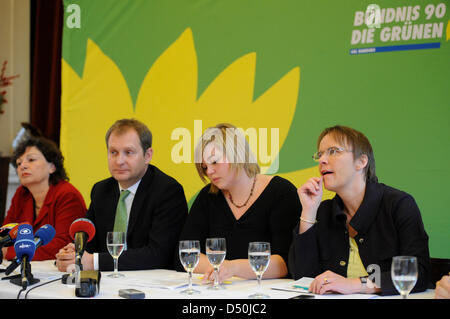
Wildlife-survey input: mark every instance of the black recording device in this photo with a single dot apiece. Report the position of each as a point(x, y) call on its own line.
point(88, 284)
point(131, 294)
point(303, 296)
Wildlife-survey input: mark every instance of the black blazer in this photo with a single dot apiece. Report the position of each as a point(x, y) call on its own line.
point(388, 223)
point(157, 216)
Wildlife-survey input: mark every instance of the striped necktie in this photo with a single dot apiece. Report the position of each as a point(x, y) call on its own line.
point(120, 222)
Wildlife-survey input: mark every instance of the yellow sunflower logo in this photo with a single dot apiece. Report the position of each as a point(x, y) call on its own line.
point(167, 101)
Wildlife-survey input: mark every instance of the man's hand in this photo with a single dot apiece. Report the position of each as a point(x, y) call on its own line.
point(66, 257)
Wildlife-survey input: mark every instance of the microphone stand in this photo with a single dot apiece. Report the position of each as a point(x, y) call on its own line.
point(71, 279)
point(74, 278)
point(26, 277)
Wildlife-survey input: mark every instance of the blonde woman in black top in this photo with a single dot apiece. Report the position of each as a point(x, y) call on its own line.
point(240, 205)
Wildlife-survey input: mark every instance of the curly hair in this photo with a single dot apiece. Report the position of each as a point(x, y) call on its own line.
point(51, 153)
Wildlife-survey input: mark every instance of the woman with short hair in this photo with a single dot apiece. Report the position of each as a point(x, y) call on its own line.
point(45, 195)
point(340, 241)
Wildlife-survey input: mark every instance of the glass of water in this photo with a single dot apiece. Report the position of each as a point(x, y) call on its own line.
point(115, 242)
point(189, 251)
point(259, 258)
point(404, 274)
point(216, 250)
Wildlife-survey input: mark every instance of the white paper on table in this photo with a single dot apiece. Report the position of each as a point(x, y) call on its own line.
point(47, 275)
point(301, 285)
point(168, 281)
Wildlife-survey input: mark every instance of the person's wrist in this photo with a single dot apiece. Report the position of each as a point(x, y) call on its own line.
point(230, 267)
point(88, 261)
point(308, 216)
point(358, 285)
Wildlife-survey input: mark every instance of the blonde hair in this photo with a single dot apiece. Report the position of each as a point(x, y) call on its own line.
point(230, 141)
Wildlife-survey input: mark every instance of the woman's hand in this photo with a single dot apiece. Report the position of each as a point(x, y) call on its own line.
point(330, 282)
point(443, 288)
point(225, 272)
point(310, 195)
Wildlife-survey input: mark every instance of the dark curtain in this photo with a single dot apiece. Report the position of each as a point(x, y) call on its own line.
point(46, 40)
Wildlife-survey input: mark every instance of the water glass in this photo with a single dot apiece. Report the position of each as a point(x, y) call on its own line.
point(189, 252)
point(115, 242)
point(259, 258)
point(404, 274)
point(216, 250)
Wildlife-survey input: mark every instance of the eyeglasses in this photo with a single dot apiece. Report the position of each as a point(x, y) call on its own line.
point(331, 151)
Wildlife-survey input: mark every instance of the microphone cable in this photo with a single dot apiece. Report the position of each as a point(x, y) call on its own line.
point(47, 282)
point(18, 295)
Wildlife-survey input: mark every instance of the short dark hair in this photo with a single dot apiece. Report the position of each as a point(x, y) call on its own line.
point(358, 142)
point(123, 125)
point(51, 152)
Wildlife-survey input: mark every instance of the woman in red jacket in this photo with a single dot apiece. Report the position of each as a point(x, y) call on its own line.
point(45, 195)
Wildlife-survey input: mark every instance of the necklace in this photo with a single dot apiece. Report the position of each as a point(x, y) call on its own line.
point(251, 193)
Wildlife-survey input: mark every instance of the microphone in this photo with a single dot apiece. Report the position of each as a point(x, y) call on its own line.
point(5, 229)
point(82, 231)
point(42, 237)
point(25, 248)
point(25, 245)
point(8, 234)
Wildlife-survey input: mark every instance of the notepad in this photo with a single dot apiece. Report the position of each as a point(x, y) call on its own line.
point(300, 285)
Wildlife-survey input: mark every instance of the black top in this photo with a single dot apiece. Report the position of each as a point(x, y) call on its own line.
point(157, 216)
point(388, 223)
point(270, 218)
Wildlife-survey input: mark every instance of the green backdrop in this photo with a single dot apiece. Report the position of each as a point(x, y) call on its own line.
point(398, 95)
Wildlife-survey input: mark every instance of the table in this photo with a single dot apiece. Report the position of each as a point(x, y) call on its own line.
point(152, 282)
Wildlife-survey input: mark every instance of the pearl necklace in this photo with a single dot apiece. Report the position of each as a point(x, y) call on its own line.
point(251, 193)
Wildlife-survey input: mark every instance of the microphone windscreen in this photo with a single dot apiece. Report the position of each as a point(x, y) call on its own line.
point(10, 236)
point(45, 233)
point(13, 232)
point(24, 245)
point(82, 225)
point(5, 229)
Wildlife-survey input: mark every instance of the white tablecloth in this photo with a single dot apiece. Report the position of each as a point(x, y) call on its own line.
point(157, 284)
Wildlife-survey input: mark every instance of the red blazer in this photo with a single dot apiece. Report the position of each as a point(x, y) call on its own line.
point(62, 205)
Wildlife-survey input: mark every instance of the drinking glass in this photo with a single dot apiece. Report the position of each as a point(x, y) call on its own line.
point(259, 258)
point(404, 274)
point(115, 242)
point(216, 250)
point(189, 251)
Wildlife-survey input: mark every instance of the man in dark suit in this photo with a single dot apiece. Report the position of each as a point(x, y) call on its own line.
point(156, 206)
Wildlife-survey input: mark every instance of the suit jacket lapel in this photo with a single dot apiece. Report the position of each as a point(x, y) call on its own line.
point(140, 197)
